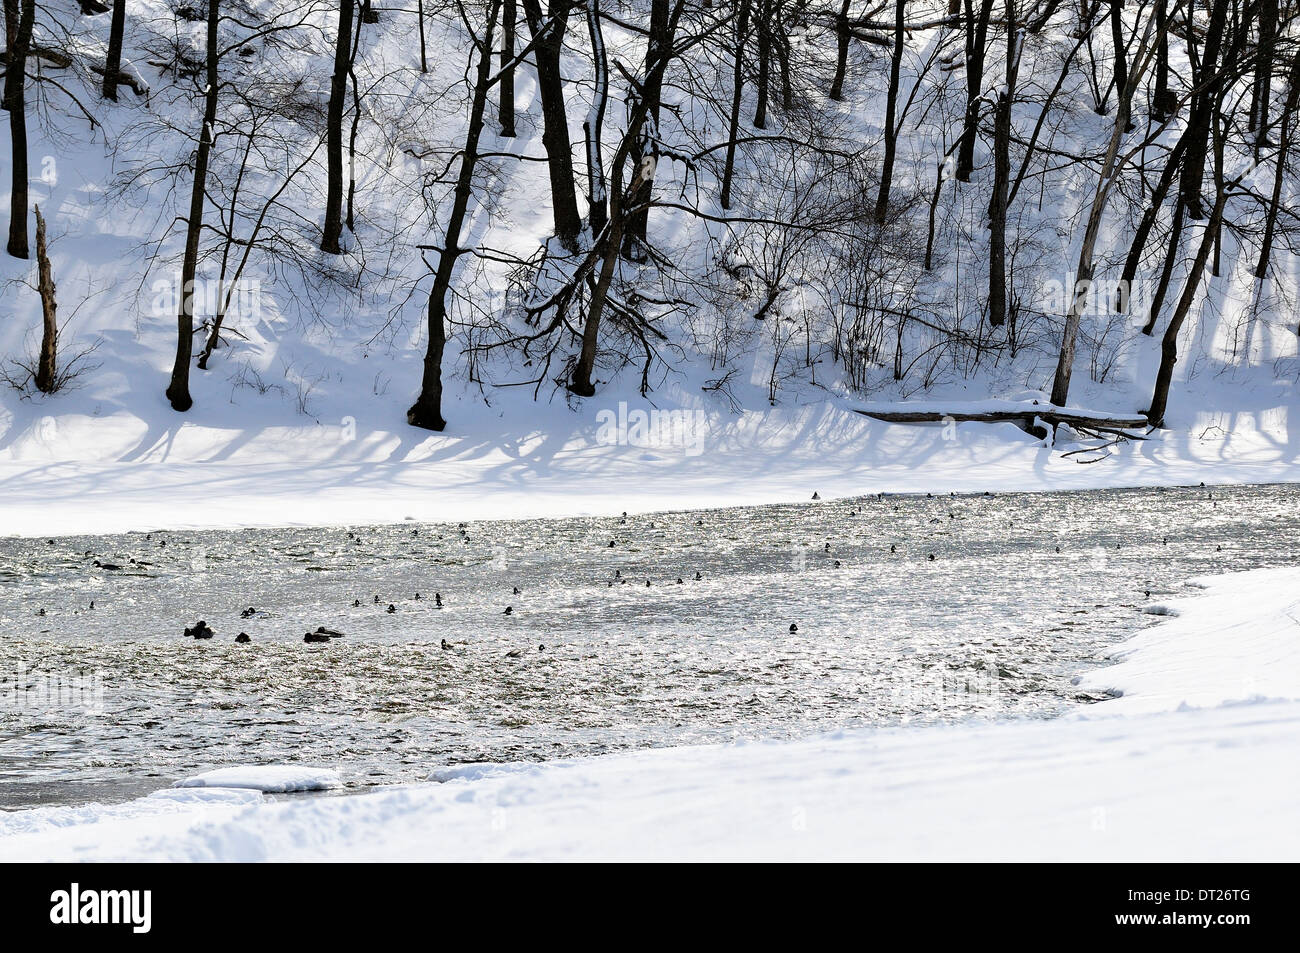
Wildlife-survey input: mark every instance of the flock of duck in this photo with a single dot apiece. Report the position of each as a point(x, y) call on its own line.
point(202, 631)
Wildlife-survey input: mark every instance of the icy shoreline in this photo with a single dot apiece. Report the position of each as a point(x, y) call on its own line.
point(1196, 761)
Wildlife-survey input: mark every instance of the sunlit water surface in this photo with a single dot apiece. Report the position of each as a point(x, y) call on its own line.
point(997, 624)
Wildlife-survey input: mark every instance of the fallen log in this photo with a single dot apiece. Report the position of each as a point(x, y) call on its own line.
point(1027, 419)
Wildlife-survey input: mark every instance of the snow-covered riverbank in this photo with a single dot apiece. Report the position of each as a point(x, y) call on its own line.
point(181, 473)
point(1197, 761)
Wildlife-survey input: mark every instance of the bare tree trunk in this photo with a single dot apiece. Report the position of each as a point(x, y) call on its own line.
point(658, 51)
point(424, 50)
point(764, 24)
point(46, 377)
point(1117, 41)
point(1163, 100)
point(891, 115)
point(1286, 137)
point(1002, 176)
point(506, 109)
point(426, 412)
point(178, 390)
point(1084, 272)
point(334, 132)
point(19, 17)
point(977, 29)
point(113, 63)
point(1157, 199)
point(737, 90)
point(1262, 89)
point(594, 125)
point(842, 37)
point(1169, 344)
point(1202, 106)
point(549, 32)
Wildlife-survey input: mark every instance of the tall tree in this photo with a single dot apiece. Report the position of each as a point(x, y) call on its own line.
point(506, 101)
point(548, 37)
point(659, 47)
point(333, 230)
point(1204, 73)
point(113, 63)
point(178, 389)
point(1002, 174)
point(46, 375)
point(741, 24)
point(977, 31)
point(1107, 176)
point(426, 412)
point(20, 16)
point(891, 114)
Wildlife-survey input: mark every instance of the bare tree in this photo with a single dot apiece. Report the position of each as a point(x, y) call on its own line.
point(178, 389)
point(426, 412)
point(333, 230)
point(19, 17)
point(46, 375)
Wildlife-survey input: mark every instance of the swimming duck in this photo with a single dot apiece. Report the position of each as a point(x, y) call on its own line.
point(200, 630)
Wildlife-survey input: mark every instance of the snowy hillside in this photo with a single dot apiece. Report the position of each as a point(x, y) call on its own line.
point(762, 323)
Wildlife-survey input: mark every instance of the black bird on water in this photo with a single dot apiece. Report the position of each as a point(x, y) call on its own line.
point(793, 628)
point(391, 609)
point(445, 645)
point(437, 600)
point(510, 610)
point(242, 638)
point(200, 630)
point(356, 603)
point(315, 637)
point(248, 613)
point(111, 567)
point(516, 592)
point(698, 575)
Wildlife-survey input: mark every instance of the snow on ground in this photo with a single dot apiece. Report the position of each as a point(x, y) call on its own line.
point(84, 473)
point(270, 778)
point(1197, 761)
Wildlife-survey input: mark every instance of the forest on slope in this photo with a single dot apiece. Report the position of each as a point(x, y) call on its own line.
point(754, 201)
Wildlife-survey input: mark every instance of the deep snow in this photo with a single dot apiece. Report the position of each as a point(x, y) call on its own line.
point(1197, 761)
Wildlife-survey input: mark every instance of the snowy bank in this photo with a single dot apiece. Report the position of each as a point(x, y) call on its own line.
point(178, 472)
point(1192, 763)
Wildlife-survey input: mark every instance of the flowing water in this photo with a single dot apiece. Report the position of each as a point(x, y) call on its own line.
point(113, 701)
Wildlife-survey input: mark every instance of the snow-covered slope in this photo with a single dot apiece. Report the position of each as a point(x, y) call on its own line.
point(1197, 761)
point(300, 418)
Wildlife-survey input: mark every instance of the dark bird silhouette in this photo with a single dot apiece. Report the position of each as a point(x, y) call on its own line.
point(445, 645)
point(242, 638)
point(391, 609)
point(510, 610)
point(315, 637)
point(932, 556)
point(514, 653)
point(437, 599)
point(698, 575)
point(199, 630)
point(516, 592)
point(816, 495)
point(248, 613)
point(109, 566)
point(794, 627)
point(356, 603)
